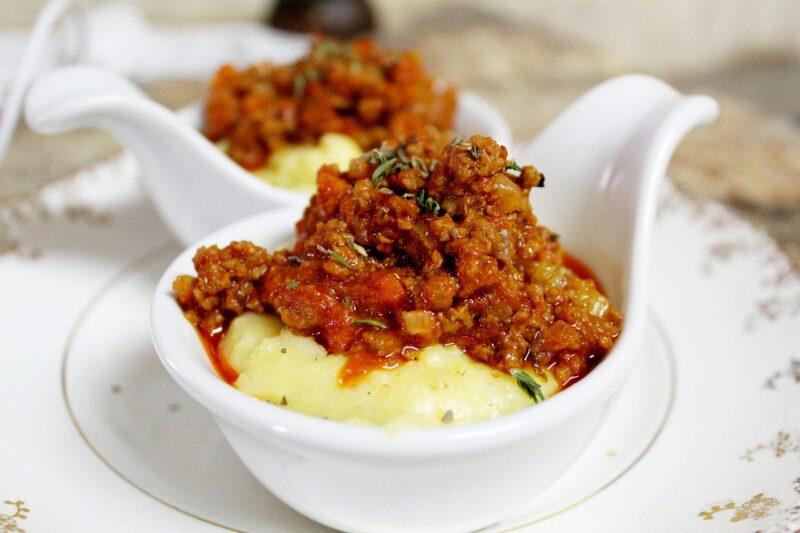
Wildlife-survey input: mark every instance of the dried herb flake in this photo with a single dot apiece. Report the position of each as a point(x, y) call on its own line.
point(357, 247)
point(448, 416)
point(426, 203)
point(336, 257)
point(512, 165)
point(370, 322)
point(529, 385)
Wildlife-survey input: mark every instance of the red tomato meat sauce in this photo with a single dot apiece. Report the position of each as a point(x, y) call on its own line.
point(421, 241)
point(355, 88)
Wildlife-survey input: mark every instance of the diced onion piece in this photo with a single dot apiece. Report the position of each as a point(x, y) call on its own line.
point(553, 276)
point(590, 299)
point(418, 322)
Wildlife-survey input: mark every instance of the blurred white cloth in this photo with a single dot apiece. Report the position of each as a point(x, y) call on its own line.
point(117, 36)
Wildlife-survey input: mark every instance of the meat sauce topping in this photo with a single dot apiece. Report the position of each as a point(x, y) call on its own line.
point(414, 244)
point(356, 88)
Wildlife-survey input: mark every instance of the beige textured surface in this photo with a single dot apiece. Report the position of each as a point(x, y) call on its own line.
point(34, 160)
point(746, 157)
point(664, 35)
point(530, 59)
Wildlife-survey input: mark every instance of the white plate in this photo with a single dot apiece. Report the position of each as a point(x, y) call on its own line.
point(96, 436)
point(143, 426)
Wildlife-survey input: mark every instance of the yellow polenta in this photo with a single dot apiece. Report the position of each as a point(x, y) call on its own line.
point(442, 386)
point(295, 167)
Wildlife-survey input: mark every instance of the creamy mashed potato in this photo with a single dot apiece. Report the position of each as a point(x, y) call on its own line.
point(442, 386)
point(295, 167)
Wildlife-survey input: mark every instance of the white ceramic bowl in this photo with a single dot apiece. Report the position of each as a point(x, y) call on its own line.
point(361, 478)
point(604, 157)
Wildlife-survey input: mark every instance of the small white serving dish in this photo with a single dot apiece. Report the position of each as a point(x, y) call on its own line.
point(604, 157)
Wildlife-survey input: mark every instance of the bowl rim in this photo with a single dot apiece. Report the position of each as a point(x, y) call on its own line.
point(266, 421)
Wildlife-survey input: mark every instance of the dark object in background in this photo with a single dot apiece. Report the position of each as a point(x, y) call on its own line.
point(337, 18)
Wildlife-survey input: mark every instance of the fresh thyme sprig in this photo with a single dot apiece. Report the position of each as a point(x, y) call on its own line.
point(458, 139)
point(336, 257)
point(528, 384)
point(360, 250)
point(416, 162)
point(390, 161)
point(426, 203)
point(383, 170)
point(514, 167)
point(370, 322)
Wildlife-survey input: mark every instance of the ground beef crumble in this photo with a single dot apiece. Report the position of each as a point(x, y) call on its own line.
point(414, 244)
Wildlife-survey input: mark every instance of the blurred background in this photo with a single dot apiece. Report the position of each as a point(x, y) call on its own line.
point(530, 59)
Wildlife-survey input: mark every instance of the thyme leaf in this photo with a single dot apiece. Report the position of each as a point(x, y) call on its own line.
point(370, 322)
point(416, 162)
point(292, 285)
point(380, 155)
point(475, 152)
point(357, 247)
point(383, 170)
point(512, 165)
point(375, 157)
point(528, 384)
point(457, 140)
point(336, 257)
point(403, 157)
point(426, 203)
point(389, 160)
